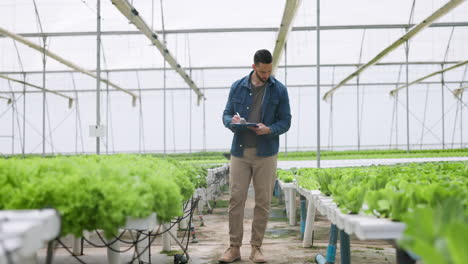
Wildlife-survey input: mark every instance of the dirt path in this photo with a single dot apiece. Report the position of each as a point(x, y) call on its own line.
point(282, 243)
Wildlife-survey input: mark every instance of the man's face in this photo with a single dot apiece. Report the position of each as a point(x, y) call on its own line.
point(262, 71)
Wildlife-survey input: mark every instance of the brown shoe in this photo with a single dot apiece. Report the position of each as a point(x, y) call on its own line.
point(256, 255)
point(232, 254)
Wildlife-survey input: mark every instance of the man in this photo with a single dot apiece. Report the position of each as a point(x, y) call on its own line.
point(259, 98)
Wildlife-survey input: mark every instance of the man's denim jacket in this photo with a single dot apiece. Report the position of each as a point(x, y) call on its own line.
point(276, 114)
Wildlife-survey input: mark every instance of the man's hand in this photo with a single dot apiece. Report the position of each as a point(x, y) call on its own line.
point(235, 119)
point(261, 129)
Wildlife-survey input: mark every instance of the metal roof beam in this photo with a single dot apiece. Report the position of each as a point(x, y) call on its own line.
point(392, 92)
point(407, 36)
point(133, 16)
point(227, 87)
point(239, 30)
point(289, 13)
point(241, 67)
point(62, 60)
point(70, 99)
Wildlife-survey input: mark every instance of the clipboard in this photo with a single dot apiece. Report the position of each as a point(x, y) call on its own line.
point(245, 125)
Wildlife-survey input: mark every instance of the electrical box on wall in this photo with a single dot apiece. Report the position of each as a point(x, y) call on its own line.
point(97, 131)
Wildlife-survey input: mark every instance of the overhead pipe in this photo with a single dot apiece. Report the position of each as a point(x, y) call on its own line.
point(133, 16)
point(289, 13)
point(392, 92)
point(407, 36)
point(62, 60)
point(70, 99)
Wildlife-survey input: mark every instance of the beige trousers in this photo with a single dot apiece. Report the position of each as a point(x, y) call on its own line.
point(262, 171)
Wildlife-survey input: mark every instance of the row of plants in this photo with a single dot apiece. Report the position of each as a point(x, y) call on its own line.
point(98, 192)
point(220, 157)
point(214, 159)
point(431, 198)
point(389, 191)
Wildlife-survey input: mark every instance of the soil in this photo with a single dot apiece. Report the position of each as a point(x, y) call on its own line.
point(282, 242)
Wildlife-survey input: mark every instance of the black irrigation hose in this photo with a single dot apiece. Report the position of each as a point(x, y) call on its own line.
point(146, 248)
point(125, 241)
point(108, 245)
point(69, 251)
point(186, 233)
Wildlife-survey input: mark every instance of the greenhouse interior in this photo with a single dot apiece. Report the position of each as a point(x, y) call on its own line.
point(126, 130)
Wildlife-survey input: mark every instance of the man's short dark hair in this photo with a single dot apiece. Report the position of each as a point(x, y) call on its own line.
point(262, 56)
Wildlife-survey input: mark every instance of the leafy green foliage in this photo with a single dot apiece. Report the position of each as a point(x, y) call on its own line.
point(438, 235)
point(431, 198)
point(98, 192)
point(285, 176)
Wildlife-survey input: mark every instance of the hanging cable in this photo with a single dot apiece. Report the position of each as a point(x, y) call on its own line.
point(286, 84)
point(20, 63)
point(204, 110)
point(407, 49)
point(360, 107)
point(429, 129)
point(50, 128)
point(437, 122)
point(172, 105)
point(44, 59)
point(298, 117)
point(13, 109)
point(78, 125)
point(330, 120)
point(164, 75)
point(141, 125)
point(460, 100)
point(424, 115)
point(110, 121)
point(104, 59)
point(443, 84)
point(395, 113)
point(187, 45)
point(455, 124)
point(55, 128)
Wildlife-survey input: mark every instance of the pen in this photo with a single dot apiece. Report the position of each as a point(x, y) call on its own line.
point(237, 113)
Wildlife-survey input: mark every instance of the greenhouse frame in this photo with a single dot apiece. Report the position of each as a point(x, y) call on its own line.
point(130, 94)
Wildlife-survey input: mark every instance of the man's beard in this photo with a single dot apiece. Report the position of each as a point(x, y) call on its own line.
point(260, 78)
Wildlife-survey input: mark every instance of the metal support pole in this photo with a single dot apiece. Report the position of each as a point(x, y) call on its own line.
point(318, 83)
point(164, 77)
point(44, 39)
point(23, 148)
point(285, 84)
point(344, 248)
point(204, 119)
point(98, 74)
point(331, 249)
point(292, 206)
point(166, 238)
point(107, 114)
point(407, 98)
point(190, 119)
point(77, 247)
point(142, 249)
point(357, 115)
point(308, 232)
point(13, 103)
point(461, 120)
point(443, 107)
point(303, 214)
point(113, 256)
